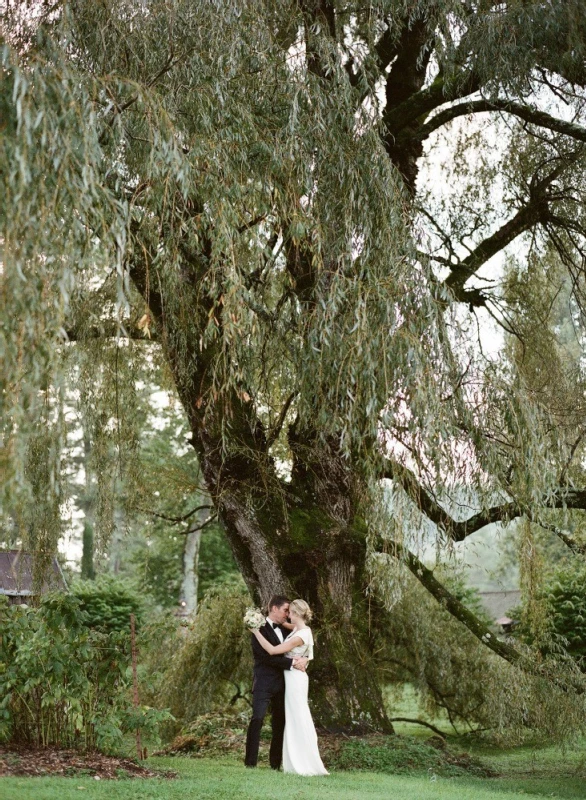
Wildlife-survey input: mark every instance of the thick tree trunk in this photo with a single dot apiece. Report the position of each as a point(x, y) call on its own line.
point(302, 538)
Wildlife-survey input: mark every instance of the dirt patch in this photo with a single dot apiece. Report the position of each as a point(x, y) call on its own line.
point(49, 761)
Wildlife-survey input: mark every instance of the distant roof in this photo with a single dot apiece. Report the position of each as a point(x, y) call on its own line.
point(499, 603)
point(16, 574)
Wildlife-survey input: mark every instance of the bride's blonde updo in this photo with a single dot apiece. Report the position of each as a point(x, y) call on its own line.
point(301, 608)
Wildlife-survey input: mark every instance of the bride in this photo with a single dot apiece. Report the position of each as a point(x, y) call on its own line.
point(300, 752)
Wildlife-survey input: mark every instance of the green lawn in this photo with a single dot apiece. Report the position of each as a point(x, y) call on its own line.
point(201, 779)
point(545, 771)
point(527, 772)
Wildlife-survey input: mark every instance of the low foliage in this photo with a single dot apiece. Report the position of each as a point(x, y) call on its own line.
point(214, 665)
point(403, 756)
point(107, 604)
point(45, 761)
point(63, 682)
point(223, 733)
point(213, 734)
point(453, 671)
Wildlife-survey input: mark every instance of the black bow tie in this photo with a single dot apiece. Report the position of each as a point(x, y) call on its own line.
point(275, 625)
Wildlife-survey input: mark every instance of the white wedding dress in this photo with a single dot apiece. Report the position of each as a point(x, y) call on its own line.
point(300, 751)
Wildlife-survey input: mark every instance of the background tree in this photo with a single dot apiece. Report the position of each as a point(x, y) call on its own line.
point(153, 508)
point(565, 609)
point(174, 545)
point(246, 188)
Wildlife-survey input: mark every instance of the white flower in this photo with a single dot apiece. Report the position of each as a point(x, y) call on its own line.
point(253, 618)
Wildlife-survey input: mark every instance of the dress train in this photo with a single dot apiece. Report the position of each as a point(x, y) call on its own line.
point(300, 750)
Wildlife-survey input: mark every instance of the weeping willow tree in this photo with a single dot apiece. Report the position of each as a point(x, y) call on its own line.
point(297, 207)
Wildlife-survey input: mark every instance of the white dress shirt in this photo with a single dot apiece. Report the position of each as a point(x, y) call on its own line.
point(278, 630)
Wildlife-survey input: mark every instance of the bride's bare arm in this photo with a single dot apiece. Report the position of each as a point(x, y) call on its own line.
point(279, 649)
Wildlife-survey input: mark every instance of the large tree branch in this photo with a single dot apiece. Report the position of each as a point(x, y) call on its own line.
point(458, 530)
point(475, 625)
point(431, 727)
point(385, 50)
point(570, 542)
point(454, 606)
point(427, 100)
point(407, 75)
point(534, 211)
point(405, 108)
point(387, 47)
point(525, 112)
point(176, 520)
point(524, 219)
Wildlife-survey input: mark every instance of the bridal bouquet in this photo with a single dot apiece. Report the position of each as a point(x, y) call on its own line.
point(253, 619)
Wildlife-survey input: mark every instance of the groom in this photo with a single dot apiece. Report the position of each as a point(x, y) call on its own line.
point(269, 684)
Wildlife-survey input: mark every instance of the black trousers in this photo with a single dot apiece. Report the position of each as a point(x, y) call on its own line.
point(260, 703)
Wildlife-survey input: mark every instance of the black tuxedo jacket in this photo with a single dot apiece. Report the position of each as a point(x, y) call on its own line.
point(268, 670)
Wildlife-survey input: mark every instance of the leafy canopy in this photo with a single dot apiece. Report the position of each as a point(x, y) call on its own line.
point(245, 183)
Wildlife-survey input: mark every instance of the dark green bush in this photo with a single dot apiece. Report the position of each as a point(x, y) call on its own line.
point(562, 600)
point(566, 608)
point(63, 682)
point(107, 603)
point(402, 755)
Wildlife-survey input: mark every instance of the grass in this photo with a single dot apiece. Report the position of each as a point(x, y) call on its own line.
point(545, 771)
point(402, 701)
point(530, 775)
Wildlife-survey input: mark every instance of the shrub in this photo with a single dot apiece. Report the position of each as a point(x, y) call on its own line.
point(566, 603)
point(402, 755)
point(562, 602)
point(213, 666)
point(107, 603)
point(63, 682)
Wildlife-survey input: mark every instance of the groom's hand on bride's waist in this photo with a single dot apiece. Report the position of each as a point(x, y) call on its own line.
point(300, 663)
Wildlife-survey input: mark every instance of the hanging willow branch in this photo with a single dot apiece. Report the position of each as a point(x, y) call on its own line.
point(455, 607)
point(524, 660)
